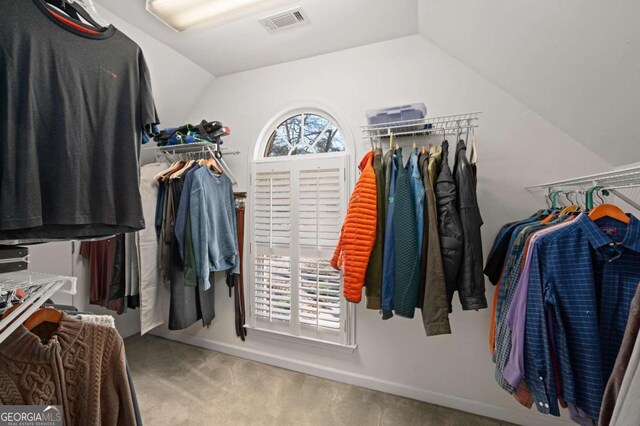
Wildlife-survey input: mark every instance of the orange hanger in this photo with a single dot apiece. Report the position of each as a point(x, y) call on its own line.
point(548, 219)
point(609, 210)
point(424, 149)
point(43, 315)
point(567, 210)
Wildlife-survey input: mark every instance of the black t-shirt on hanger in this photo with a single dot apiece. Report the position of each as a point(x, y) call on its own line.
point(73, 106)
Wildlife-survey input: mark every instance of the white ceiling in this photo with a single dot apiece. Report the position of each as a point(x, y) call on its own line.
point(244, 44)
point(574, 62)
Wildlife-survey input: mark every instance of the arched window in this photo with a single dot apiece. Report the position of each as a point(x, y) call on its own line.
point(304, 134)
point(299, 187)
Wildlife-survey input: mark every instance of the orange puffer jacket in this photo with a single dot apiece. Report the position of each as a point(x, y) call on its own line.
point(358, 233)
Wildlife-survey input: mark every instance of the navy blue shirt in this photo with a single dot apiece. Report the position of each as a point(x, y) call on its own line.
point(500, 249)
point(584, 276)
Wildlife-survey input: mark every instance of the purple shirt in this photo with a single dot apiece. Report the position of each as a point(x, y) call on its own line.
point(517, 314)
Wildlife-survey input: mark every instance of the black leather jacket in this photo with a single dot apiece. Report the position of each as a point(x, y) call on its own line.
point(449, 226)
point(470, 277)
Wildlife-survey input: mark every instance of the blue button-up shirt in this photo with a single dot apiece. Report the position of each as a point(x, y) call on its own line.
point(583, 277)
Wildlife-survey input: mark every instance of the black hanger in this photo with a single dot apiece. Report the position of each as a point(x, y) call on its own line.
point(75, 11)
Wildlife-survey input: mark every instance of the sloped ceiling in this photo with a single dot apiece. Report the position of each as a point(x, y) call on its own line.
point(574, 62)
point(244, 44)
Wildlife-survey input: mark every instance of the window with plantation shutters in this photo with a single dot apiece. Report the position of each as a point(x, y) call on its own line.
point(298, 207)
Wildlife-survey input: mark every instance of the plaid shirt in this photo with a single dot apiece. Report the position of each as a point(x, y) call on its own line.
point(507, 290)
point(584, 276)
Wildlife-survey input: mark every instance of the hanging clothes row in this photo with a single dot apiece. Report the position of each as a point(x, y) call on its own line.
point(564, 281)
point(114, 271)
point(411, 235)
point(196, 235)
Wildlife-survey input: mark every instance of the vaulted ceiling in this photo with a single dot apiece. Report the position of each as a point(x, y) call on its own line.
point(244, 44)
point(574, 62)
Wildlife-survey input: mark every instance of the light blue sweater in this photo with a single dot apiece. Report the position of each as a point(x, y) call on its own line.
point(213, 225)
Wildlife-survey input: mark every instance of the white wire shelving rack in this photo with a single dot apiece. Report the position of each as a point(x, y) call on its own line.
point(205, 147)
point(38, 287)
point(613, 181)
point(446, 124)
point(196, 150)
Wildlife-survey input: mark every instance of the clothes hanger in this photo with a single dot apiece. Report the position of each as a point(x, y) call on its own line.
point(41, 316)
point(554, 199)
point(605, 210)
point(474, 149)
point(161, 177)
point(182, 170)
point(601, 193)
point(466, 138)
point(609, 210)
point(568, 209)
point(215, 165)
point(76, 10)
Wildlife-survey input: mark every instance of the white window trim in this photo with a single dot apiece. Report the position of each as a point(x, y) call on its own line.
point(348, 317)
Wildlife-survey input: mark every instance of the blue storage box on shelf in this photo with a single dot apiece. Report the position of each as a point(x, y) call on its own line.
point(391, 115)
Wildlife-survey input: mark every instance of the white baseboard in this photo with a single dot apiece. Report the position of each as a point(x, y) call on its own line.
point(518, 417)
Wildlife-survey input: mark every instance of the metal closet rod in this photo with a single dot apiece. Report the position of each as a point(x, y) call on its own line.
point(614, 177)
point(446, 131)
point(203, 149)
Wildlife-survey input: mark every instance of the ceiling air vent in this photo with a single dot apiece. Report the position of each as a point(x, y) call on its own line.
point(280, 21)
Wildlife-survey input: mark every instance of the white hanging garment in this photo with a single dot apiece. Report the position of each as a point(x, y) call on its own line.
point(154, 297)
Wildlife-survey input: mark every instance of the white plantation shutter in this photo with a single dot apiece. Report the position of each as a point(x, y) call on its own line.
point(320, 294)
point(273, 287)
point(320, 204)
point(272, 200)
point(298, 210)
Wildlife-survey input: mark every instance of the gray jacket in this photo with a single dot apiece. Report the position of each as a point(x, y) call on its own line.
point(470, 277)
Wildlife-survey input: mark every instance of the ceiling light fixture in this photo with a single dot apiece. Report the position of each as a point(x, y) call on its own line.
point(184, 14)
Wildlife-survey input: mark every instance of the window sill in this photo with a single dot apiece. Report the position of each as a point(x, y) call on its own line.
point(307, 341)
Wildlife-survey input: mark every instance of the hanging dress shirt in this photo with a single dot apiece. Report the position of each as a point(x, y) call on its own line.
point(584, 276)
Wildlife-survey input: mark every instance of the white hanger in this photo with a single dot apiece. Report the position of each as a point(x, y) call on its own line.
point(91, 9)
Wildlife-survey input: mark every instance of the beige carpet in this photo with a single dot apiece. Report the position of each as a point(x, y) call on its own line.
point(179, 384)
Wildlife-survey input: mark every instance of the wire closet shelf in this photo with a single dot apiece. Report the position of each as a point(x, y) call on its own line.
point(38, 288)
point(613, 181)
point(189, 151)
point(195, 147)
point(446, 124)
